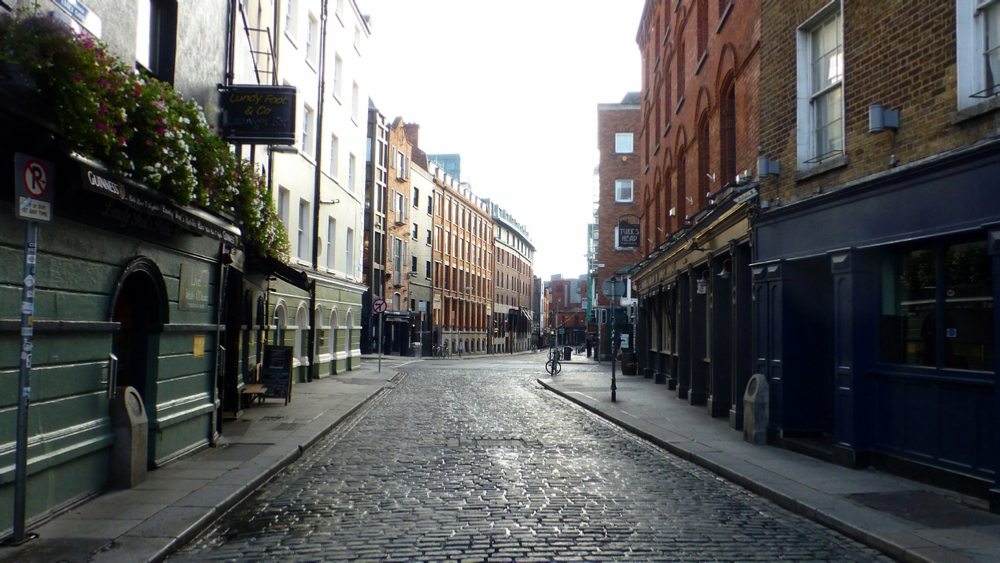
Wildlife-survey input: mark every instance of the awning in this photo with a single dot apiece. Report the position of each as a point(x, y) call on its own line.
point(284, 271)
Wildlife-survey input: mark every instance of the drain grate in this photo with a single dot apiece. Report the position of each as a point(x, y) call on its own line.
point(927, 508)
point(286, 426)
point(270, 418)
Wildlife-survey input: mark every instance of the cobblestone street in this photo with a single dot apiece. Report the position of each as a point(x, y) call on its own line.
point(473, 461)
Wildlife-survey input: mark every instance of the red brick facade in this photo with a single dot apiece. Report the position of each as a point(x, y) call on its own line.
point(615, 166)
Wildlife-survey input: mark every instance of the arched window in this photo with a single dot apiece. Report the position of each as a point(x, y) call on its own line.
point(278, 321)
point(704, 161)
point(727, 133)
point(301, 345)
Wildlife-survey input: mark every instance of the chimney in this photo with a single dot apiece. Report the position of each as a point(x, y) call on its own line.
point(413, 134)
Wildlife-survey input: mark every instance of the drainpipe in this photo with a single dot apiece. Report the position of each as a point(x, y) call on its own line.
point(317, 183)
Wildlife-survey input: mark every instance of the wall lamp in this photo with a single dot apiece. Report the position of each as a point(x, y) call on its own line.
point(766, 167)
point(725, 272)
point(329, 201)
point(880, 119)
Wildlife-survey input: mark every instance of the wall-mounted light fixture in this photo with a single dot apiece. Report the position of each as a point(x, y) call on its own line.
point(880, 119)
point(702, 284)
point(726, 270)
point(329, 201)
point(766, 167)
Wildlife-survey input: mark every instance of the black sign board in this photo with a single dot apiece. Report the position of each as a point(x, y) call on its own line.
point(145, 208)
point(628, 233)
point(276, 372)
point(258, 115)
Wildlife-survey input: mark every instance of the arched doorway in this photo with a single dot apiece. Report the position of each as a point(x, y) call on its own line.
point(139, 304)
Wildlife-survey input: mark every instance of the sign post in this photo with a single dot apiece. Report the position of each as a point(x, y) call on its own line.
point(378, 307)
point(613, 288)
point(34, 181)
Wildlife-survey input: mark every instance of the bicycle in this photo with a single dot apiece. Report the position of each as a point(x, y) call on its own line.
point(442, 351)
point(552, 365)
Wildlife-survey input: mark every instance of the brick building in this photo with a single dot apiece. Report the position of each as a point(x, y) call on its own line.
point(463, 258)
point(567, 315)
point(513, 275)
point(877, 249)
point(620, 171)
point(399, 233)
point(698, 144)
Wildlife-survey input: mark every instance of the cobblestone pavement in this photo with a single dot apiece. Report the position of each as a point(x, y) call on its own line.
point(473, 461)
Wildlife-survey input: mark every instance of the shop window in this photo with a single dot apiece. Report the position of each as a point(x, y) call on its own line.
point(937, 307)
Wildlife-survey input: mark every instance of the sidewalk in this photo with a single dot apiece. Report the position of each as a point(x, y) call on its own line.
point(179, 501)
point(906, 520)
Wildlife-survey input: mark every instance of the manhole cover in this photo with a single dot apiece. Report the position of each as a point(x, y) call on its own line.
point(287, 426)
point(927, 508)
point(267, 418)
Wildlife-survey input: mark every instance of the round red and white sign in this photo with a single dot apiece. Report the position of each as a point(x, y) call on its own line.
point(36, 180)
point(378, 306)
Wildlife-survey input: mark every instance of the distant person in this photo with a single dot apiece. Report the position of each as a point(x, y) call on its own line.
point(461, 348)
point(590, 346)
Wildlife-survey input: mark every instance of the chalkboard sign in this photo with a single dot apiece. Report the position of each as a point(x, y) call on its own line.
point(276, 372)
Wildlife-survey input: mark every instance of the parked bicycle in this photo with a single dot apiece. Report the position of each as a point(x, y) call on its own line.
point(553, 366)
point(442, 351)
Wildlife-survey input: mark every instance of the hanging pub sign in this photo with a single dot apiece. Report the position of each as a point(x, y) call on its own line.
point(628, 232)
point(258, 115)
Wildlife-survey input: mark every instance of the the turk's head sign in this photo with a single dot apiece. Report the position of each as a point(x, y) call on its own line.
point(628, 232)
point(258, 115)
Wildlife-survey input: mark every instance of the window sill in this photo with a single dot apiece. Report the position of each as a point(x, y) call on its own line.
point(976, 110)
point(823, 167)
point(724, 17)
point(623, 201)
point(701, 62)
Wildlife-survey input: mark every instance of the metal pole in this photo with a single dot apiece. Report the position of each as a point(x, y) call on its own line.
point(24, 383)
point(614, 346)
point(381, 329)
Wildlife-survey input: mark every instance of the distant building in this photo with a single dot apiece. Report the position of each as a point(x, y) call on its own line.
point(513, 274)
point(450, 163)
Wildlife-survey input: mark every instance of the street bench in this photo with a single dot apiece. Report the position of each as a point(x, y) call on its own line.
point(253, 392)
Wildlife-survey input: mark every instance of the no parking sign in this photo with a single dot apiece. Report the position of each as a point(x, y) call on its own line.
point(34, 182)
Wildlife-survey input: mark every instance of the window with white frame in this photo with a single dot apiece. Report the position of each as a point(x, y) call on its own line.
point(623, 143)
point(331, 240)
point(308, 118)
point(820, 52)
point(357, 39)
point(338, 75)
point(350, 173)
point(303, 230)
point(354, 102)
point(291, 18)
point(339, 11)
point(349, 255)
point(283, 199)
point(312, 41)
point(977, 33)
point(334, 155)
point(623, 191)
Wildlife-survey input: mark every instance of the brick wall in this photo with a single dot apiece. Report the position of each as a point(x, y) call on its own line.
point(681, 95)
point(612, 119)
point(899, 53)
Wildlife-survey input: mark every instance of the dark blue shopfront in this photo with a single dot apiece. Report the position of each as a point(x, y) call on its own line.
point(874, 319)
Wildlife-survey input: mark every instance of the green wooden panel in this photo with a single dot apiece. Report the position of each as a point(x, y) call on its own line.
point(60, 272)
point(57, 447)
point(65, 306)
point(56, 414)
point(183, 366)
point(183, 342)
point(184, 436)
point(10, 302)
point(58, 382)
point(11, 265)
point(57, 487)
point(70, 347)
